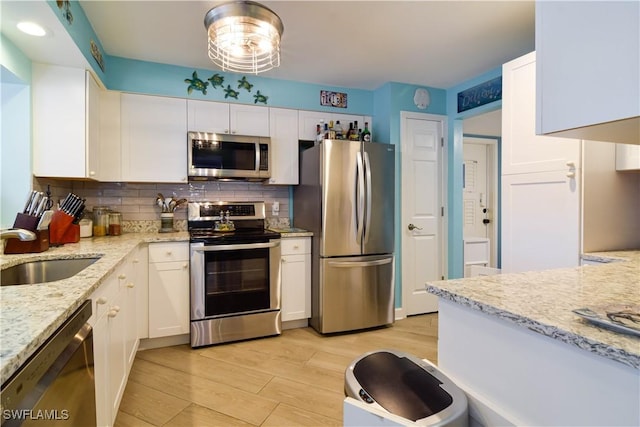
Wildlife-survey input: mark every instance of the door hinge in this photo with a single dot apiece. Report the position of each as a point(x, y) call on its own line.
point(441, 141)
point(441, 277)
point(442, 211)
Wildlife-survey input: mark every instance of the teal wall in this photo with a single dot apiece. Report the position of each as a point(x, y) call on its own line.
point(454, 178)
point(15, 130)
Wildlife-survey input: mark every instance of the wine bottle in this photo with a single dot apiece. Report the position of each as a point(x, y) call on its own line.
point(366, 133)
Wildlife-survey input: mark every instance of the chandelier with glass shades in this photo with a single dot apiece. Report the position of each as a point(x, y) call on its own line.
point(244, 37)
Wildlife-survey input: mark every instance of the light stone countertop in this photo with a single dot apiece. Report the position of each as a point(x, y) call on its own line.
point(290, 232)
point(29, 314)
point(541, 301)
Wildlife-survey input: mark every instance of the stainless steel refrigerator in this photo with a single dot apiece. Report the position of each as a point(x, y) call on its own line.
point(346, 198)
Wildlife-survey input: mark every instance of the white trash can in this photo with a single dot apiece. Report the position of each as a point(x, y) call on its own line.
point(408, 387)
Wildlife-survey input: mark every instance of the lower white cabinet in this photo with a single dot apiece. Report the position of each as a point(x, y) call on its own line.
point(115, 338)
point(296, 278)
point(168, 289)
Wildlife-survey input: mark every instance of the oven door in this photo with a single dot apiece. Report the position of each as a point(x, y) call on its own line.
point(232, 279)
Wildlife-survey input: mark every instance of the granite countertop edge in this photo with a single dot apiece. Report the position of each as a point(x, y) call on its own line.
point(30, 314)
point(496, 296)
point(582, 342)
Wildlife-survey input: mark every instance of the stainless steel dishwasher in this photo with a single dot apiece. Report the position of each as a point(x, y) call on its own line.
point(55, 386)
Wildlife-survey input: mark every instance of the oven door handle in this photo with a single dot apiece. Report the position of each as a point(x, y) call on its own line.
point(213, 248)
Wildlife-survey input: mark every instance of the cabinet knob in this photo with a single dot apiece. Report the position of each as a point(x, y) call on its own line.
point(571, 174)
point(130, 285)
point(571, 164)
point(101, 300)
point(122, 276)
point(92, 173)
point(296, 247)
point(135, 261)
point(169, 253)
point(114, 311)
point(185, 265)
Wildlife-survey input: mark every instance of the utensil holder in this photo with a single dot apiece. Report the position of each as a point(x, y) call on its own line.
point(166, 222)
point(40, 244)
point(62, 230)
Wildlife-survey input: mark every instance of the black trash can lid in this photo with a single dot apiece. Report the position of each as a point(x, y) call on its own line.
point(400, 386)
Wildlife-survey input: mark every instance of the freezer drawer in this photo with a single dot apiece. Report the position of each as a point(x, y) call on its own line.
point(354, 293)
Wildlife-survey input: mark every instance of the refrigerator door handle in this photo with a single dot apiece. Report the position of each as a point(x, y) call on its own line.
point(351, 264)
point(367, 223)
point(360, 196)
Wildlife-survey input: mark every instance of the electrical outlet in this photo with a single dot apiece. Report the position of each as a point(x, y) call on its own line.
point(275, 209)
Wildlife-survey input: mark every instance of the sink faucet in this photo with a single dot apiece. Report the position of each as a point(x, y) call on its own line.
point(20, 233)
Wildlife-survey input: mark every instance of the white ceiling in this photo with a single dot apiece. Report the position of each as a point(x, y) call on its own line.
point(356, 44)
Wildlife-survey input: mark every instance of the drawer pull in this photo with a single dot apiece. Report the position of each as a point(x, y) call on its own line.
point(185, 265)
point(101, 300)
point(169, 253)
point(122, 276)
point(296, 247)
point(131, 285)
point(114, 311)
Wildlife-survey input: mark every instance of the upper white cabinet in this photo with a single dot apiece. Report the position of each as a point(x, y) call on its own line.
point(110, 156)
point(587, 70)
point(219, 117)
point(284, 146)
point(627, 157)
point(154, 138)
point(308, 121)
point(540, 181)
point(66, 115)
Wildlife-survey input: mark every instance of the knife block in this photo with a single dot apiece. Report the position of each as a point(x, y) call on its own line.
point(62, 230)
point(40, 244)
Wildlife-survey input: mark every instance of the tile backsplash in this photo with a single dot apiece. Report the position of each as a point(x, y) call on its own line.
point(136, 201)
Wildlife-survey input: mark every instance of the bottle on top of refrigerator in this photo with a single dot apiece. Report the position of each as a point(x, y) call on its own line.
point(366, 133)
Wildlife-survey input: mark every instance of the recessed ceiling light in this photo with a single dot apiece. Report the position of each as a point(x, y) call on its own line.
point(31, 28)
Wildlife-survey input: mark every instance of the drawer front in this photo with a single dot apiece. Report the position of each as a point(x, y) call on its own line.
point(295, 246)
point(167, 252)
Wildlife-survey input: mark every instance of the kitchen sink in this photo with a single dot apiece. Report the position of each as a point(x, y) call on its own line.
point(49, 270)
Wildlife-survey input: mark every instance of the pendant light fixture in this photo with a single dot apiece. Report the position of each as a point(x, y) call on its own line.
point(244, 37)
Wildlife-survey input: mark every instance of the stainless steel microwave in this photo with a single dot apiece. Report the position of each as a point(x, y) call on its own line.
point(228, 157)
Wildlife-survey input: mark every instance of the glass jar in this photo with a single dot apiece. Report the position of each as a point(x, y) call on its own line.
point(115, 221)
point(100, 221)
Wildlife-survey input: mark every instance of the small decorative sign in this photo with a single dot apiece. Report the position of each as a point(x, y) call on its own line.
point(481, 94)
point(333, 99)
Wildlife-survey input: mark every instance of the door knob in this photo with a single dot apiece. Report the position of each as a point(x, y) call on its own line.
point(412, 227)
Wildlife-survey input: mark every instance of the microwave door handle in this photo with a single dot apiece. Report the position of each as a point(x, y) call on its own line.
point(216, 248)
point(258, 154)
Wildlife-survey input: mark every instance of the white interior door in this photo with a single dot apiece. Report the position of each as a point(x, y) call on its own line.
point(421, 226)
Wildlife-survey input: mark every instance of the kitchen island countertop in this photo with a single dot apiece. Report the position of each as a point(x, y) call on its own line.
point(29, 314)
point(542, 301)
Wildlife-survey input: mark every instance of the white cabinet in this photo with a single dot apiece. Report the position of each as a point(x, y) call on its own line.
point(154, 138)
point(627, 157)
point(540, 182)
point(283, 126)
point(296, 278)
point(588, 68)
point(219, 117)
point(308, 120)
point(115, 337)
point(65, 105)
point(168, 289)
point(109, 150)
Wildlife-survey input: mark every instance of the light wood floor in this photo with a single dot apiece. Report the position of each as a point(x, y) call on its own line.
point(295, 379)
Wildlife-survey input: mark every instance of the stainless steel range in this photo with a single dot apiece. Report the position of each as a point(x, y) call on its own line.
point(235, 273)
